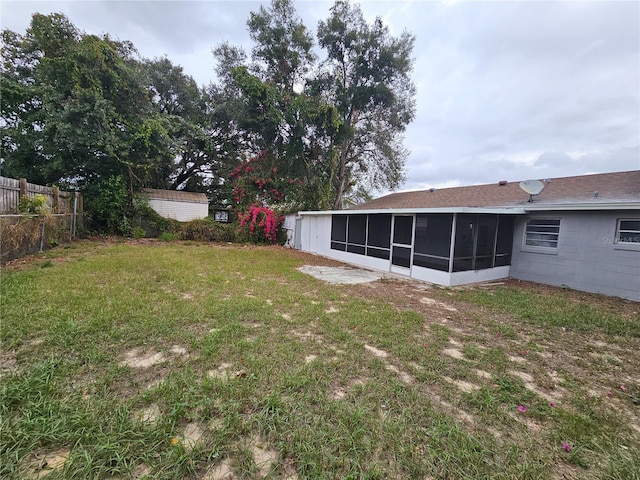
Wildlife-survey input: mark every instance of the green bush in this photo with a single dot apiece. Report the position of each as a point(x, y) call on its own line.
point(138, 232)
point(208, 230)
point(36, 204)
point(151, 222)
point(168, 237)
point(109, 206)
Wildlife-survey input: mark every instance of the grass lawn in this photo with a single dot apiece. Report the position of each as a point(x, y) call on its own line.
point(192, 361)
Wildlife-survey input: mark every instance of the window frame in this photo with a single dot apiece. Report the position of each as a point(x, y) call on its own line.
point(625, 245)
point(541, 248)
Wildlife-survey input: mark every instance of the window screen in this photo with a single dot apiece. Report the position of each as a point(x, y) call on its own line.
point(362, 234)
point(542, 233)
point(482, 241)
point(357, 230)
point(403, 230)
point(433, 241)
point(504, 241)
point(379, 231)
point(339, 228)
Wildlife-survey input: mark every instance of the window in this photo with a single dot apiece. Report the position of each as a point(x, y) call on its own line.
point(628, 231)
point(542, 234)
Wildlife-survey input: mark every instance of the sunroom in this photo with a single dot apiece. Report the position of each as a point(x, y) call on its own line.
point(447, 246)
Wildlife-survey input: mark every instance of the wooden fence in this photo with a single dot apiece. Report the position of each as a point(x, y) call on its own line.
point(25, 234)
point(58, 202)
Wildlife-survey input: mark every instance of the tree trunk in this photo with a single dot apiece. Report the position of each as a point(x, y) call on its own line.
point(337, 204)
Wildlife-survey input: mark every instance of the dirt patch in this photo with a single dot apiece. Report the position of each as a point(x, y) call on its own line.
point(310, 358)
point(42, 464)
point(376, 351)
point(148, 415)
point(453, 353)
point(483, 374)
point(308, 336)
point(525, 377)
point(264, 458)
point(140, 472)
point(135, 358)
point(434, 303)
point(339, 392)
point(191, 436)
point(178, 350)
point(462, 385)
point(222, 471)
point(221, 372)
point(404, 376)
point(520, 360)
point(8, 363)
point(331, 309)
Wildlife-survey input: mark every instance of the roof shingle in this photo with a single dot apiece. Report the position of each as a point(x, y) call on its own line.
point(175, 195)
point(618, 187)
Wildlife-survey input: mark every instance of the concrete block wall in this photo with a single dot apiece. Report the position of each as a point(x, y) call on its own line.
point(587, 258)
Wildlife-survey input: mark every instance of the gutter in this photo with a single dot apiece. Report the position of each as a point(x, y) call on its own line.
point(502, 210)
point(533, 207)
point(508, 210)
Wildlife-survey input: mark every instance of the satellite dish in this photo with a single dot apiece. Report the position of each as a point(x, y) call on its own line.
point(532, 187)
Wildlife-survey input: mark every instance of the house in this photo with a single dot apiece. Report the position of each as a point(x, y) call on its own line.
point(176, 204)
point(581, 232)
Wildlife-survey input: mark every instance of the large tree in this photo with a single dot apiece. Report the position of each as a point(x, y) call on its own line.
point(337, 124)
point(80, 112)
point(202, 141)
point(266, 98)
point(366, 75)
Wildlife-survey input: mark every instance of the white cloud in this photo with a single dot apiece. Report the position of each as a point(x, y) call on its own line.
point(506, 90)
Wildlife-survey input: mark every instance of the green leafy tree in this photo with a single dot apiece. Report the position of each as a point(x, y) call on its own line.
point(366, 75)
point(78, 110)
point(203, 145)
point(336, 125)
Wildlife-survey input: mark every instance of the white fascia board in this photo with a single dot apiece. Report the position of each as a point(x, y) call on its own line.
point(408, 211)
point(582, 206)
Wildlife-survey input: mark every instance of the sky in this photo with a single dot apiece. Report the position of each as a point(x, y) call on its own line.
point(506, 90)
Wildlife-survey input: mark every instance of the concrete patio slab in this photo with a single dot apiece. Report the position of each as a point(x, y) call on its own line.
point(341, 275)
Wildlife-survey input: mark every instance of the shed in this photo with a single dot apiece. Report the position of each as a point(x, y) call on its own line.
point(176, 204)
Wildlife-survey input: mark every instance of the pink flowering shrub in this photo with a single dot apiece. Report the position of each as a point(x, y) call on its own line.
point(258, 186)
point(258, 180)
point(260, 224)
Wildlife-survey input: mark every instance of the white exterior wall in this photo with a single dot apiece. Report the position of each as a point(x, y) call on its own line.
point(181, 211)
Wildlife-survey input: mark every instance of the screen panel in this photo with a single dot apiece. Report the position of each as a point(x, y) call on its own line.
point(357, 229)
point(379, 230)
point(402, 229)
point(339, 228)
